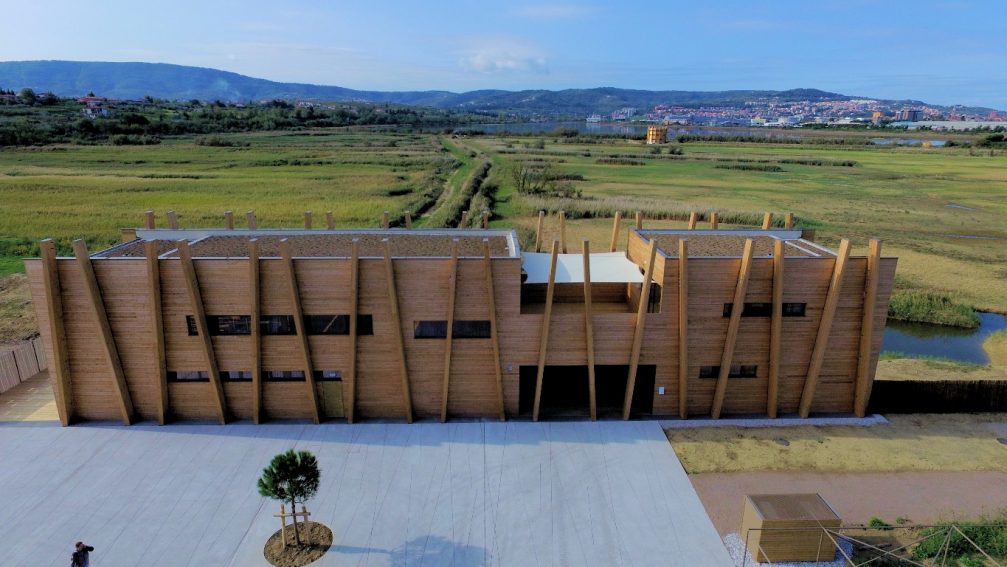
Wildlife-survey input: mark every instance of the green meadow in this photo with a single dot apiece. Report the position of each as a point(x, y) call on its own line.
point(940, 210)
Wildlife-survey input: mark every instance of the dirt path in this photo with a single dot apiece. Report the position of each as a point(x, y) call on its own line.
point(920, 496)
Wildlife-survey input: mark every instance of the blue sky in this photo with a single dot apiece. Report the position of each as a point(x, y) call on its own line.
point(941, 52)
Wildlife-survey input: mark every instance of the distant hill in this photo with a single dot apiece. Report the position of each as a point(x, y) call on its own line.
point(178, 82)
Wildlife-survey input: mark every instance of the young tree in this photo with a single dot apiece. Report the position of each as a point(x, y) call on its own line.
point(291, 477)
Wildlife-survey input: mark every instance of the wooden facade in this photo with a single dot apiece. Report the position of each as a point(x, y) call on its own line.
point(818, 357)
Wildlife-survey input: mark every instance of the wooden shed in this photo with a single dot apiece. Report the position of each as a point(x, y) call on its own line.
point(788, 527)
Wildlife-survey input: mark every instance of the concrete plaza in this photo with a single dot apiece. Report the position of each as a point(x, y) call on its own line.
point(427, 494)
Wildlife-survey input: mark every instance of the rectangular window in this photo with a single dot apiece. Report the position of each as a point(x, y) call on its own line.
point(222, 325)
point(188, 376)
point(766, 309)
point(236, 375)
point(277, 325)
point(737, 371)
point(337, 324)
point(461, 329)
point(328, 375)
point(284, 375)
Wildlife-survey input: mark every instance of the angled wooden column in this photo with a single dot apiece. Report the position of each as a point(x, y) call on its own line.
point(385, 219)
point(639, 220)
point(788, 221)
point(350, 385)
point(767, 220)
point(449, 336)
point(693, 219)
point(172, 220)
point(307, 220)
point(824, 328)
point(302, 331)
point(229, 220)
point(486, 219)
point(330, 221)
point(148, 220)
point(683, 328)
point(110, 350)
point(862, 392)
point(255, 308)
point(199, 315)
point(714, 220)
point(589, 332)
point(775, 330)
point(393, 304)
point(615, 231)
point(464, 219)
point(409, 220)
point(543, 342)
point(151, 251)
point(253, 224)
point(538, 231)
point(54, 309)
point(491, 307)
point(562, 231)
point(128, 234)
point(641, 319)
point(737, 308)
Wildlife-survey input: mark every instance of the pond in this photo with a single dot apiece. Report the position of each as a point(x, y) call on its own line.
point(921, 339)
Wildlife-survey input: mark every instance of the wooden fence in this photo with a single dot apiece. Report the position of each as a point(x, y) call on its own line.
point(19, 362)
point(938, 396)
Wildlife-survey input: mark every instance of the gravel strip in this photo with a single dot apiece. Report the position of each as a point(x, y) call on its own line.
point(736, 549)
point(725, 246)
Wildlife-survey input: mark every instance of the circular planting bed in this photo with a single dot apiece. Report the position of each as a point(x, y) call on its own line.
point(315, 541)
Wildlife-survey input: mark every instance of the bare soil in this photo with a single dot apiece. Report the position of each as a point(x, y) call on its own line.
point(316, 539)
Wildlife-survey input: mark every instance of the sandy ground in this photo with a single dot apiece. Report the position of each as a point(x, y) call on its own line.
point(911, 442)
point(922, 497)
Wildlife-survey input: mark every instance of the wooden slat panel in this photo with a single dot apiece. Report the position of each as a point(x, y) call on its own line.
point(494, 332)
point(393, 304)
point(862, 393)
point(60, 364)
point(824, 329)
point(449, 338)
point(727, 357)
point(641, 313)
point(95, 301)
point(775, 330)
point(544, 334)
point(199, 314)
point(302, 331)
point(350, 384)
point(683, 327)
point(255, 309)
point(589, 331)
point(150, 251)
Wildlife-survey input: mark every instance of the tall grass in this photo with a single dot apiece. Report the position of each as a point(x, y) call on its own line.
point(988, 533)
point(995, 346)
point(606, 207)
point(931, 307)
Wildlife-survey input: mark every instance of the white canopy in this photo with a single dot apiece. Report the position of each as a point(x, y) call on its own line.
point(607, 267)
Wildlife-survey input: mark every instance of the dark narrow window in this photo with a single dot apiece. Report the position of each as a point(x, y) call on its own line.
point(328, 375)
point(277, 325)
point(337, 324)
point(284, 375)
point(236, 375)
point(794, 309)
point(654, 299)
point(461, 329)
point(766, 309)
point(188, 376)
point(737, 371)
point(222, 325)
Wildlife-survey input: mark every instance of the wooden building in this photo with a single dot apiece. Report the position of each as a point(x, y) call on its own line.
point(179, 324)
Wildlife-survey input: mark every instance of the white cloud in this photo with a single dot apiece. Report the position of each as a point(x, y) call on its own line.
point(501, 54)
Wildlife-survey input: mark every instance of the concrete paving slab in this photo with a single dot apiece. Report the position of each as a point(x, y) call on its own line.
point(426, 494)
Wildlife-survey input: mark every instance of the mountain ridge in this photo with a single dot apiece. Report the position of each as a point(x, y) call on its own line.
point(135, 80)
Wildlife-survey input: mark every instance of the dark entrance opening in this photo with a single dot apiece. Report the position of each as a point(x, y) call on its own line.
point(565, 391)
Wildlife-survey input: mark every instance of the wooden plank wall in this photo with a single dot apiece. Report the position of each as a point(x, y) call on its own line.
point(324, 285)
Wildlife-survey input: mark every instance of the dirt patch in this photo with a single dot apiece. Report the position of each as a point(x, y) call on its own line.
point(922, 497)
point(17, 319)
point(316, 539)
point(911, 442)
point(922, 369)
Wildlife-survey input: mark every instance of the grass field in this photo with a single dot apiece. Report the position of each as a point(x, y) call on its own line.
point(940, 210)
point(911, 442)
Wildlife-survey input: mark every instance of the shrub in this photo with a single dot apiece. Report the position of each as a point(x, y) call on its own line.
point(929, 307)
point(618, 161)
point(220, 141)
point(751, 167)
